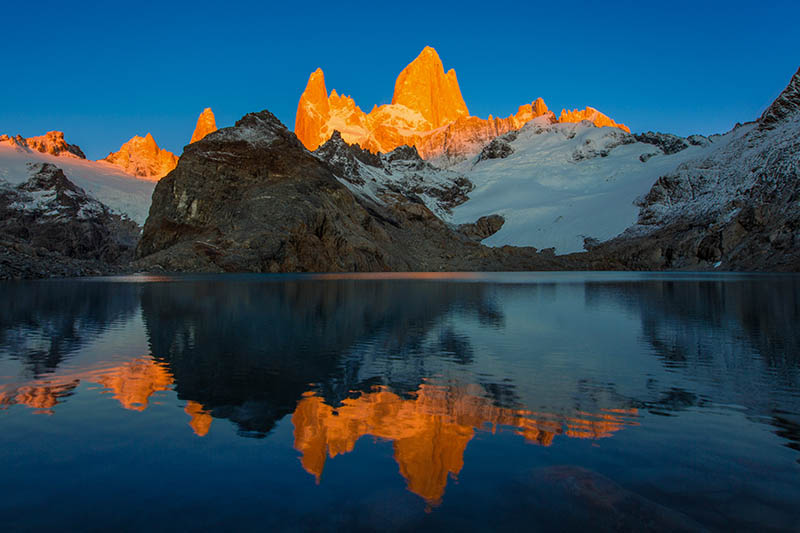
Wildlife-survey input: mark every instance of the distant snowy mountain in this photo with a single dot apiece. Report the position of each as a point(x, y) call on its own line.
point(120, 191)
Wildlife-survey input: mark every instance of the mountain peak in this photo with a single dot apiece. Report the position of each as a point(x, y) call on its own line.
point(52, 143)
point(142, 157)
point(206, 123)
point(424, 87)
point(427, 112)
point(592, 115)
point(312, 111)
point(786, 104)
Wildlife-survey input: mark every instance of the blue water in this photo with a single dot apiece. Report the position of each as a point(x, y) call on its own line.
point(534, 402)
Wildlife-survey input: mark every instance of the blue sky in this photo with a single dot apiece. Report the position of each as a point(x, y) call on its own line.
point(104, 71)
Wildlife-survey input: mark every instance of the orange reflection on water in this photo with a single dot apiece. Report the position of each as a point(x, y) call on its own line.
point(42, 395)
point(429, 431)
point(132, 384)
point(201, 419)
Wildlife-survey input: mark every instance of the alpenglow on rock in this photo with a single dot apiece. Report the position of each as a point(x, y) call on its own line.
point(142, 157)
point(52, 143)
point(427, 112)
point(205, 124)
point(424, 87)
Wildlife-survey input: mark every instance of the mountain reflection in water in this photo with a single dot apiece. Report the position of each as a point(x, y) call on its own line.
point(425, 364)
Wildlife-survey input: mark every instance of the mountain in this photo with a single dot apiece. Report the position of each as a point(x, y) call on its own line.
point(427, 112)
point(142, 157)
point(562, 185)
point(52, 143)
point(424, 87)
point(48, 224)
point(737, 208)
point(205, 124)
point(122, 192)
point(252, 198)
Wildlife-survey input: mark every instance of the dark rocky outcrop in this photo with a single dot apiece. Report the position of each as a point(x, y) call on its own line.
point(498, 148)
point(667, 142)
point(344, 158)
point(785, 106)
point(401, 171)
point(592, 148)
point(50, 226)
point(483, 227)
point(252, 198)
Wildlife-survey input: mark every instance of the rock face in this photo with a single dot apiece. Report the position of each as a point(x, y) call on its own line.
point(205, 124)
point(785, 106)
point(738, 209)
point(400, 172)
point(49, 225)
point(483, 227)
point(251, 198)
point(142, 157)
point(52, 143)
point(592, 115)
point(424, 87)
point(427, 112)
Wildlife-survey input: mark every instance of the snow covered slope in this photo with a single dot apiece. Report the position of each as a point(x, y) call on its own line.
point(400, 172)
point(122, 192)
point(557, 184)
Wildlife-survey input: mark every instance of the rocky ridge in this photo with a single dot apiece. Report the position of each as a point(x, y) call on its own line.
point(427, 112)
point(736, 209)
point(251, 198)
point(142, 157)
point(48, 225)
point(400, 172)
point(52, 143)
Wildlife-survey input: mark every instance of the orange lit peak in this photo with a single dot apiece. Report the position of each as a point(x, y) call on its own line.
point(142, 157)
point(313, 111)
point(592, 115)
point(430, 432)
point(424, 87)
point(206, 123)
point(427, 111)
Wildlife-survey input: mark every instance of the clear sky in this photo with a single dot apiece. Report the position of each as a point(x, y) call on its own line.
point(104, 71)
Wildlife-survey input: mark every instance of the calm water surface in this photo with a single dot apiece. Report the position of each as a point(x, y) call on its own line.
point(431, 402)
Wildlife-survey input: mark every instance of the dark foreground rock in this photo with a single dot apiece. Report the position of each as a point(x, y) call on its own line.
point(51, 227)
point(251, 198)
point(483, 227)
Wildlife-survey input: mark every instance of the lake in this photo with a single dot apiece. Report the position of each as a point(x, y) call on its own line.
point(536, 402)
